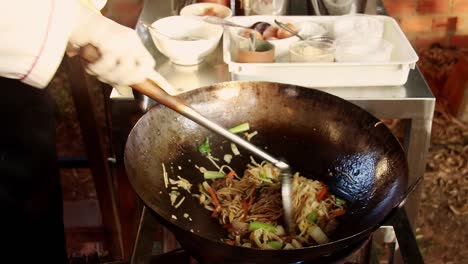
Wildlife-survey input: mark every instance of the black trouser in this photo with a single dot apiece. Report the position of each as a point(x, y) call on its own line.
point(31, 221)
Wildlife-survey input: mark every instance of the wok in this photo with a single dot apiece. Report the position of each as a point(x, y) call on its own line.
point(322, 136)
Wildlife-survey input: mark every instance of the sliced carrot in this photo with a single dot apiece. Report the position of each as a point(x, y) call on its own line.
point(215, 201)
point(230, 174)
point(245, 208)
point(252, 196)
point(322, 194)
point(336, 213)
point(230, 242)
point(214, 214)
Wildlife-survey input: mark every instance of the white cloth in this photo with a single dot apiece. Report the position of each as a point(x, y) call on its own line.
point(34, 35)
point(124, 59)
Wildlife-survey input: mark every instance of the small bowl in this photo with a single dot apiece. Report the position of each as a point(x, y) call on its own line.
point(312, 50)
point(206, 9)
point(185, 40)
point(264, 53)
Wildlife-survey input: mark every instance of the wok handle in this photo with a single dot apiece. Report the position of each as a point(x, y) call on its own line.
point(154, 91)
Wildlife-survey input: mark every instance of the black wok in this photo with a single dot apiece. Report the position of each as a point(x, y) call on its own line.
point(322, 136)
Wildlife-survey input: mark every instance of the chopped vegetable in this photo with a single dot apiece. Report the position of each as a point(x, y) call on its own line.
point(180, 202)
point(174, 217)
point(317, 234)
point(212, 175)
point(230, 242)
point(214, 198)
point(265, 177)
point(240, 128)
point(260, 225)
point(166, 181)
point(275, 244)
point(201, 169)
point(213, 160)
point(227, 158)
point(313, 217)
point(339, 201)
point(182, 183)
point(322, 194)
point(186, 215)
point(231, 174)
point(205, 147)
point(280, 231)
point(249, 136)
point(288, 246)
point(234, 149)
point(336, 213)
point(245, 208)
point(173, 196)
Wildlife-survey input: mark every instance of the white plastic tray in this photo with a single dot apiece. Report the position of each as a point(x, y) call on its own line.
point(327, 74)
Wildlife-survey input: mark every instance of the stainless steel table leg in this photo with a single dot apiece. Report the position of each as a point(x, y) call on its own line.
point(416, 144)
point(144, 242)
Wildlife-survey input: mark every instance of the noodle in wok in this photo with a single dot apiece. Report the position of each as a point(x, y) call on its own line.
point(250, 208)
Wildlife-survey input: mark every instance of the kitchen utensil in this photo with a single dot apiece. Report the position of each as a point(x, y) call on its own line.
point(154, 91)
point(309, 127)
point(150, 27)
point(288, 29)
point(220, 21)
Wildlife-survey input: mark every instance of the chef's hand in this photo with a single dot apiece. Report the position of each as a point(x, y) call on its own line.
point(123, 58)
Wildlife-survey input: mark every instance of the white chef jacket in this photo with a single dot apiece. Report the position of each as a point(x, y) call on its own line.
point(34, 35)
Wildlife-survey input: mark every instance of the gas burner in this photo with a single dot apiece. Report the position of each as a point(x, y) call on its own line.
point(392, 240)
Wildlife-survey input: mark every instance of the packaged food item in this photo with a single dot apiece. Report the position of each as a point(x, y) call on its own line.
point(369, 49)
point(350, 26)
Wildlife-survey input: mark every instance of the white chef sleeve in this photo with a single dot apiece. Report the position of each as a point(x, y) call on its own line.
point(34, 35)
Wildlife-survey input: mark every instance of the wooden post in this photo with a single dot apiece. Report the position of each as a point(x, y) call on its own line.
point(92, 137)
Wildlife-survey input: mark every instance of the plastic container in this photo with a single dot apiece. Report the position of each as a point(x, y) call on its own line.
point(327, 74)
point(318, 50)
point(364, 50)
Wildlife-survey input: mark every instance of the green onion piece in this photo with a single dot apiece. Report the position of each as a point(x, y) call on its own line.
point(275, 244)
point(212, 175)
point(312, 217)
point(265, 178)
point(205, 148)
point(240, 128)
point(338, 201)
point(260, 225)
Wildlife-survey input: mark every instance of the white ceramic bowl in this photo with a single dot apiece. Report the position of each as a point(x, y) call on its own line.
point(171, 34)
point(203, 9)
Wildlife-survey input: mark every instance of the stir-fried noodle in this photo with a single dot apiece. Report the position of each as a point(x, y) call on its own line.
point(250, 208)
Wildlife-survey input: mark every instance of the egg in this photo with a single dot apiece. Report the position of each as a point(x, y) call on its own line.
point(260, 26)
point(270, 33)
point(246, 34)
point(285, 34)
